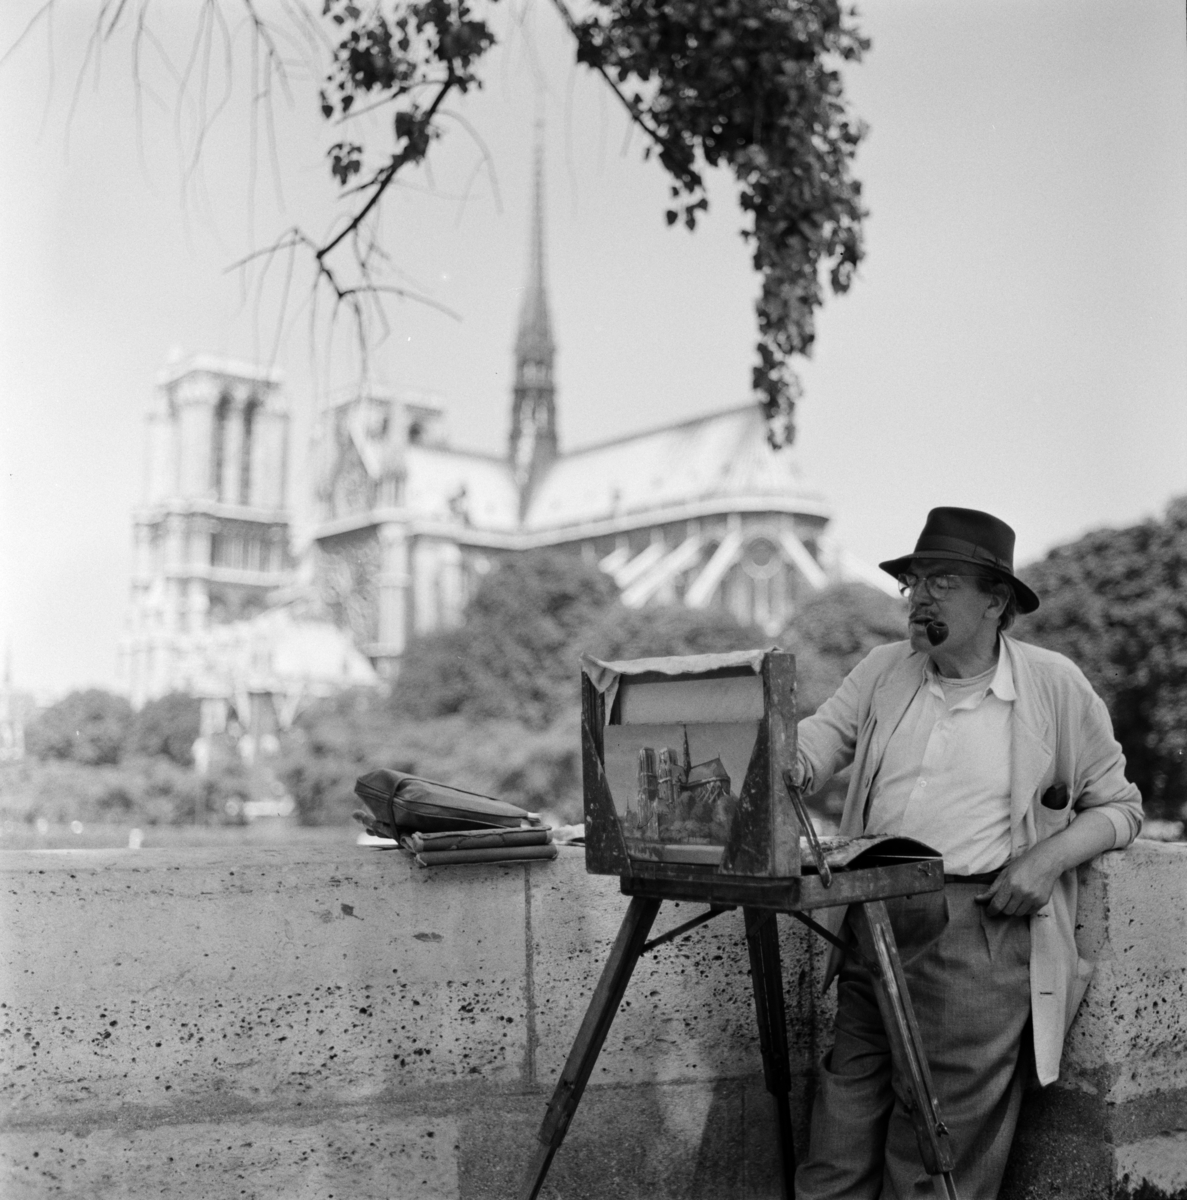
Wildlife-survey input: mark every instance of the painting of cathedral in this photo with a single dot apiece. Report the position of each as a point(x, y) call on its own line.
point(702, 513)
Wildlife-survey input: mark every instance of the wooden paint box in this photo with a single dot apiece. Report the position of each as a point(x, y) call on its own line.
point(682, 761)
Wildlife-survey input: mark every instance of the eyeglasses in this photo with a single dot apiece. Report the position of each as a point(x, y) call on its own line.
point(937, 586)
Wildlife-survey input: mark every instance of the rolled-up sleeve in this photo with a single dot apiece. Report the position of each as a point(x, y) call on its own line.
point(1100, 784)
point(828, 738)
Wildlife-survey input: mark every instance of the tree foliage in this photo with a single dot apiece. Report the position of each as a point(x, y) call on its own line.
point(332, 743)
point(167, 726)
point(1115, 602)
point(748, 84)
point(89, 727)
point(833, 631)
point(516, 655)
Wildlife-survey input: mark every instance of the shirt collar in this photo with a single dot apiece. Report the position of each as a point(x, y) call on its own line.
point(1002, 683)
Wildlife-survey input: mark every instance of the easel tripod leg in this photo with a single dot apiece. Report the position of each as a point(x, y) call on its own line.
point(766, 971)
point(876, 938)
point(616, 974)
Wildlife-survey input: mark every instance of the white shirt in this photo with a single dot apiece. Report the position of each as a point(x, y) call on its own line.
point(945, 776)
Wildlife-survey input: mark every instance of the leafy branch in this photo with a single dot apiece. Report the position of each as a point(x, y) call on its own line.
point(746, 84)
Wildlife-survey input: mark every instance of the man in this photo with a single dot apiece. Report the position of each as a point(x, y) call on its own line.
point(1001, 756)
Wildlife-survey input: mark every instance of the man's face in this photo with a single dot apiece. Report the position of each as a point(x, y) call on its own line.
point(970, 615)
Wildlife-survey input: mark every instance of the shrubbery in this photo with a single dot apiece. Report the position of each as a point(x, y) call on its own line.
point(515, 657)
point(137, 791)
point(89, 727)
point(1115, 602)
point(92, 759)
point(168, 726)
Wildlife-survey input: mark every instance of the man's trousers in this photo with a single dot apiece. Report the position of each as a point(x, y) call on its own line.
point(970, 988)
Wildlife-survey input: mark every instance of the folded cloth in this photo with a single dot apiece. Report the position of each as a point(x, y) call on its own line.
point(478, 839)
point(398, 803)
point(492, 854)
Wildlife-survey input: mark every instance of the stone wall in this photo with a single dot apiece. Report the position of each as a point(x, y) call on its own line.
point(337, 1022)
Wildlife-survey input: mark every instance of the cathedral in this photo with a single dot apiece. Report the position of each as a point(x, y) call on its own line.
point(702, 513)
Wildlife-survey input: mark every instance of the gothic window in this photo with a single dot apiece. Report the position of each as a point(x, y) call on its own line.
point(218, 446)
point(761, 560)
point(767, 601)
point(245, 481)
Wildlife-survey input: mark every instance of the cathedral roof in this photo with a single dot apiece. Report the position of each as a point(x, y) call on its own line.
point(699, 466)
point(710, 464)
point(450, 485)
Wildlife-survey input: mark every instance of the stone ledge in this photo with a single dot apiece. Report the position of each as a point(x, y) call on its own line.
point(268, 1006)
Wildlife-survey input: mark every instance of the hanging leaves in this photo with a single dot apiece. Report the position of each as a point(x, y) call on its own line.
point(752, 85)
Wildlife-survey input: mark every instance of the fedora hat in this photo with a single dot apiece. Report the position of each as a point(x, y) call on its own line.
point(968, 536)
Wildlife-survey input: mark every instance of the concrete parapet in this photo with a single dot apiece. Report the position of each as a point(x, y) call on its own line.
point(316, 1022)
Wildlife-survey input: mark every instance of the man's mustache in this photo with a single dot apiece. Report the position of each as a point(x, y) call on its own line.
point(936, 630)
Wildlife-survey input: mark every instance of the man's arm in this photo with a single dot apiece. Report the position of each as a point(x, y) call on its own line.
point(1027, 882)
point(827, 739)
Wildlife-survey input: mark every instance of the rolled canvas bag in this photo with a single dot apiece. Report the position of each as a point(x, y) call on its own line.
point(398, 803)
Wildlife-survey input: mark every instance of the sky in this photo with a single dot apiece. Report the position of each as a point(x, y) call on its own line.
point(1014, 340)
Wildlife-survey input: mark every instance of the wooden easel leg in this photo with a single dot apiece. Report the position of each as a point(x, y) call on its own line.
point(766, 971)
point(876, 938)
point(616, 974)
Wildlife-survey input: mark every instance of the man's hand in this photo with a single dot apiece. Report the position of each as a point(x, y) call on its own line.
point(799, 773)
point(1026, 882)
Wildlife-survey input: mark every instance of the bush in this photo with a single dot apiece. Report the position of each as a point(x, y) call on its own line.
point(137, 791)
point(514, 658)
point(330, 745)
point(89, 727)
point(1115, 602)
point(168, 726)
point(833, 631)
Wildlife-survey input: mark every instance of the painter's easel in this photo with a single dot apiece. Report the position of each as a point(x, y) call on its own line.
point(759, 872)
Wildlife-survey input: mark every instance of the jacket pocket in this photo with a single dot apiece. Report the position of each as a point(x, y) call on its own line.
point(1056, 796)
point(1053, 811)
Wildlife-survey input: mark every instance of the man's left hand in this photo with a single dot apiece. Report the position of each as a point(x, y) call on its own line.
point(1024, 885)
point(1026, 882)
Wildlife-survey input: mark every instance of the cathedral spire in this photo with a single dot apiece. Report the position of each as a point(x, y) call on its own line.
point(533, 407)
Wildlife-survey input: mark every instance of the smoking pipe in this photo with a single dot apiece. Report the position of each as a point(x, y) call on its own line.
point(937, 632)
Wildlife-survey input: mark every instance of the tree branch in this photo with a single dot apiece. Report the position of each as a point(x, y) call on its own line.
point(627, 103)
point(385, 177)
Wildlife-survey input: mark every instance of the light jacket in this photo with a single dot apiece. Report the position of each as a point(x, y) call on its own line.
point(1061, 735)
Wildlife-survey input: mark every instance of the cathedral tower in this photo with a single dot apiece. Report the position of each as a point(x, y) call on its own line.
point(212, 536)
point(533, 410)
